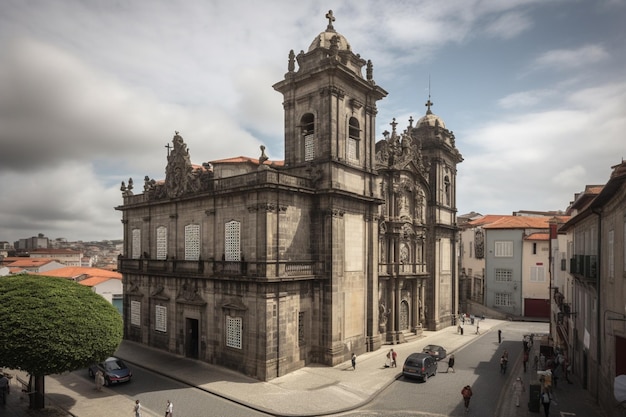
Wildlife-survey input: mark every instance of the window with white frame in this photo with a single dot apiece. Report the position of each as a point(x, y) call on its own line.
point(135, 251)
point(503, 299)
point(537, 273)
point(160, 319)
point(233, 332)
point(161, 242)
point(192, 242)
point(232, 241)
point(503, 249)
point(503, 275)
point(135, 313)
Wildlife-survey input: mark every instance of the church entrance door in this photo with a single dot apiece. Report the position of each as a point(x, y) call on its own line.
point(191, 341)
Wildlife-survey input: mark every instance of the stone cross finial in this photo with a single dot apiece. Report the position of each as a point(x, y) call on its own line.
point(410, 121)
point(331, 19)
point(429, 104)
point(169, 147)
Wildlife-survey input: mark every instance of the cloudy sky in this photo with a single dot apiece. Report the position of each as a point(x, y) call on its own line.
point(92, 91)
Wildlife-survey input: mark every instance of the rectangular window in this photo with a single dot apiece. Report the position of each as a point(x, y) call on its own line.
point(136, 244)
point(353, 149)
point(503, 249)
point(537, 273)
point(161, 242)
point(504, 275)
point(471, 246)
point(301, 327)
point(192, 242)
point(160, 319)
point(135, 313)
point(233, 332)
point(503, 299)
point(232, 241)
point(309, 147)
point(534, 248)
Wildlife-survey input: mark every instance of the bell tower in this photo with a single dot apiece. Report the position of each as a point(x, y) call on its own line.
point(330, 107)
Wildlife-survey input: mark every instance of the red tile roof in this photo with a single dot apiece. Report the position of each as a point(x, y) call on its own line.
point(84, 272)
point(538, 236)
point(492, 221)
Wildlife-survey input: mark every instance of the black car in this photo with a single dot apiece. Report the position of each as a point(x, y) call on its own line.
point(115, 371)
point(437, 352)
point(419, 365)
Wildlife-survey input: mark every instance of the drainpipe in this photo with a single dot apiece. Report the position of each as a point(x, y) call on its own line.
point(278, 275)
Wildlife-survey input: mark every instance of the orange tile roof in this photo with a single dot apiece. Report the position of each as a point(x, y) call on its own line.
point(497, 221)
point(30, 262)
point(56, 251)
point(538, 236)
point(74, 272)
point(93, 281)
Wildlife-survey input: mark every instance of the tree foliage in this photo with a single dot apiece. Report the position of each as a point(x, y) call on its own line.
point(52, 325)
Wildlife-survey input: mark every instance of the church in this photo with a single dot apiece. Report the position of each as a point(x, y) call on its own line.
point(265, 267)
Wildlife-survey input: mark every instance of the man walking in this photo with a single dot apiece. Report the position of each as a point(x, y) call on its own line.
point(499, 336)
point(467, 393)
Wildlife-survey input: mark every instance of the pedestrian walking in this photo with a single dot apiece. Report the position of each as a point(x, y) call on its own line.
point(503, 363)
point(499, 336)
point(99, 380)
point(518, 389)
point(546, 398)
point(461, 330)
point(451, 364)
point(467, 393)
point(169, 409)
point(477, 327)
point(394, 356)
point(525, 359)
point(353, 362)
point(137, 408)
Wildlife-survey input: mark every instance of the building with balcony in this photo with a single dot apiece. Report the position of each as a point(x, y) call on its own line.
point(589, 315)
point(505, 264)
point(267, 266)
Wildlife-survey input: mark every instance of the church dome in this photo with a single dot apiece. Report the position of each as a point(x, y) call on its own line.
point(430, 119)
point(323, 40)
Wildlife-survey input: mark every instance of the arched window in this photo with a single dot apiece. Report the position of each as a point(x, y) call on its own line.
point(354, 139)
point(307, 123)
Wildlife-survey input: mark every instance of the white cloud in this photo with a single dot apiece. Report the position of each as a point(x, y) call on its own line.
point(571, 58)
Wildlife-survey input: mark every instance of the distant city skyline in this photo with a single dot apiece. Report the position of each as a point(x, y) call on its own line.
point(534, 91)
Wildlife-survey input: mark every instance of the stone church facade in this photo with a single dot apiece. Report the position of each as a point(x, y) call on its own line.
point(267, 266)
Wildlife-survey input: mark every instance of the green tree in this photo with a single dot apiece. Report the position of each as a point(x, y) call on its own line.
point(53, 325)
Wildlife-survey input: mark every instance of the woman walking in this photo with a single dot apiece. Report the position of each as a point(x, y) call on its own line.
point(467, 393)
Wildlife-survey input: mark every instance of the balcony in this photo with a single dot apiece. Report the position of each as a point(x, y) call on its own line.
point(263, 271)
point(584, 266)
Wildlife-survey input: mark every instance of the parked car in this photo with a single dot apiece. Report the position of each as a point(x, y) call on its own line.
point(437, 352)
point(115, 371)
point(419, 365)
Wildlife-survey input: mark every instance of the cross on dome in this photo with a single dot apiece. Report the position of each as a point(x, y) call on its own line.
point(429, 104)
point(331, 19)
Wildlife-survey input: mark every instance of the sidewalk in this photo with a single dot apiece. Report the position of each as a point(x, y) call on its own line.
point(310, 391)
